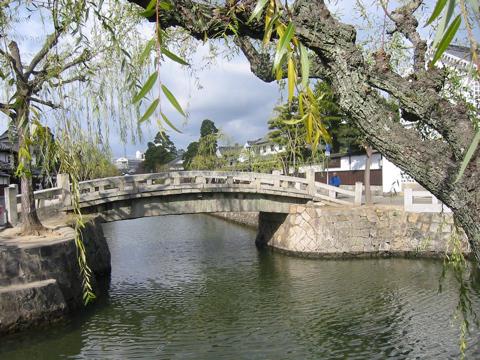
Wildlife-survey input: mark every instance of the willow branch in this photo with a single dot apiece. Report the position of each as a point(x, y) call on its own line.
point(46, 103)
point(50, 42)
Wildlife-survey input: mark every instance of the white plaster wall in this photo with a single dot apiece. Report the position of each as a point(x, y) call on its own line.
point(393, 177)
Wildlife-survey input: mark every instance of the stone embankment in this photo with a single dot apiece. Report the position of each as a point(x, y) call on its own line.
point(244, 218)
point(39, 276)
point(325, 231)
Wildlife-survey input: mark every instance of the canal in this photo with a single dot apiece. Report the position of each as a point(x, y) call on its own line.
point(196, 287)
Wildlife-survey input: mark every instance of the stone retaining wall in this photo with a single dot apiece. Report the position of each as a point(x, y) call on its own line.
point(244, 218)
point(40, 279)
point(324, 231)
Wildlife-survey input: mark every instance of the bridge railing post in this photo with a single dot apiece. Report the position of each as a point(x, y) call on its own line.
point(408, 199)
point(276, 180)
point(229, 180)
point(310, 177)
point(358, 193)
point(200, 180)
point(63, 181)
point(176, 179)
point(11, 193)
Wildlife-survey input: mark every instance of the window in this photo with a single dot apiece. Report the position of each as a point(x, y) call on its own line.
point(272, 147)
point(264, 149)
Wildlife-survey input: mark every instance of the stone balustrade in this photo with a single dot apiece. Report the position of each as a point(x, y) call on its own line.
point(101, 191)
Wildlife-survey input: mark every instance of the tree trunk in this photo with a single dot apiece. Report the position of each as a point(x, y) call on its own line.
point(29, 218)
point(366, 176)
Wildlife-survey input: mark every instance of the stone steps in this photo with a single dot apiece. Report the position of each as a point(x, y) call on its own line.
point(33, 302)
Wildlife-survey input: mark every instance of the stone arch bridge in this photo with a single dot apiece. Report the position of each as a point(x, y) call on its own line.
point(184, 192)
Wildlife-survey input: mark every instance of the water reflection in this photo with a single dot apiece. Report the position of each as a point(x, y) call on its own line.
point(195, 287)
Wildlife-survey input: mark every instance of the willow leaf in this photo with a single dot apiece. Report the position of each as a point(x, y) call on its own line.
point(146, 52)
point(442, 26)
point(173, 57)
point(468, 156)
point(291, 79)
point(169, 123)
point(447, 38)
point(294, 121)
point(172, 100)
point(150, 111)
point(283, 43)
point(146, 87)
point(437, 11)
point(258, 10)
point(305, 65)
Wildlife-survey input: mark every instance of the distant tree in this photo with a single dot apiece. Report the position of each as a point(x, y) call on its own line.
point(208, 127)
point(191, 152)
point(288, 131)
point(205, 157)
point(161, 151)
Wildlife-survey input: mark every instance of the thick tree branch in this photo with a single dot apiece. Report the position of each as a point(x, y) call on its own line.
point(14, 59)
point(261, 64)
point(70, 80)
point(50, 42)
point(406, 23)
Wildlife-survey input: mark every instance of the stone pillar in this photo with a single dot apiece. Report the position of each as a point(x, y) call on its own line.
point(230, 180)
point(176, 179)
point(276, 180)
point(407, 199)
point(11, 193)
point(310, 176)
point(358, 193)
point(200, 180)
point(63, 181)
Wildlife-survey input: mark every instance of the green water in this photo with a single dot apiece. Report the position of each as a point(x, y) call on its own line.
point(195, 287)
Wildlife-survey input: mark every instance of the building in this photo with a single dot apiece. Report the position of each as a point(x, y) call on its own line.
point(385, 177)
point(231, 154)
point(130, 165)
point(459, 60)
point(8, 154)
point(263, 146)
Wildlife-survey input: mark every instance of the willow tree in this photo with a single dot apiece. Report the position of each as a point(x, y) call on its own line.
point(360, 83)
point(57, 76)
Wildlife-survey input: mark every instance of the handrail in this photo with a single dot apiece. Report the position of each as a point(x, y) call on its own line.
point(174, 182)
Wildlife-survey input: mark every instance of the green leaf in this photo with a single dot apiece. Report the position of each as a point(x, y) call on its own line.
point(146, 52)
point(165, 5)
point(294, 121)
point(150, 110)
point(292, 77)
point(437, 11)
point(169, 123)
point(444, 22)
point(152, 79)
point(147, 13)
point(447, 38)
point(282, 44)
point(173, 57)
point(305, 65)
point(258, 10)
point(172, 100)
point(468, 156)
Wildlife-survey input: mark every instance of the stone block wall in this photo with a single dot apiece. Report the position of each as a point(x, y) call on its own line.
point(40, 279)
point(245, 218)
point(313, 230)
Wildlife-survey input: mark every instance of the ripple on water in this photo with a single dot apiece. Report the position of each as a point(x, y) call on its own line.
point(195, 287)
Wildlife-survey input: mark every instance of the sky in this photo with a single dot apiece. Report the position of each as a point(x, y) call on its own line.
point(239, 103)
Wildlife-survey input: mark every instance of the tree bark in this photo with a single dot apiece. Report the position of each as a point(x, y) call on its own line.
point(29, 218)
